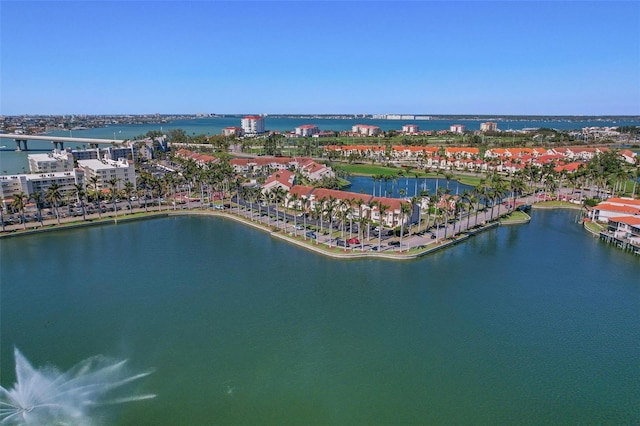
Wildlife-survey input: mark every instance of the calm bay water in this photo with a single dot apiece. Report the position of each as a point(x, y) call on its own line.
point(534, 324)
point(14, 162)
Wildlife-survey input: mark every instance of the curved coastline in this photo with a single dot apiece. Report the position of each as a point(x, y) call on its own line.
point(322, 248)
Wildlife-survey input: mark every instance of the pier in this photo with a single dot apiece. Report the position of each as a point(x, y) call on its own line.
point(621, 243)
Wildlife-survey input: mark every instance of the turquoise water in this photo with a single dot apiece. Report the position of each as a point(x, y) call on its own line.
point(535, 324)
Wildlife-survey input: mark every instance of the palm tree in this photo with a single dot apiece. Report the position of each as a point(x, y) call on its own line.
point(93, 182)
point(305, 204)
point(18, 204)
point(279, 197)
point(2, 217)
point(517, 188)
point(329, 209)
point(293, 199)
point(113, 184)
point(318, 211)
point(362, 222)
point(405, 212)
point(129, 190)
point(382, 208)
point(37, 198)
point(79, 192)
point(53, 196)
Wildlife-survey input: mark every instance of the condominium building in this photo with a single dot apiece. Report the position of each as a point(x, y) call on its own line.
point(457, 128)
point(29, 184)
point(307, 130)
point(410, 129)
point(52, 162)
point(253, 124)
point(232, 131)
point(489, 126)
point(107, 169)
point(366, 130)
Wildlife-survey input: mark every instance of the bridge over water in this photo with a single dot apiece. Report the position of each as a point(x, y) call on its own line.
point(57, 141)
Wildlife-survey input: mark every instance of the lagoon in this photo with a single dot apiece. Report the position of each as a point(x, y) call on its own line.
point(536, 324)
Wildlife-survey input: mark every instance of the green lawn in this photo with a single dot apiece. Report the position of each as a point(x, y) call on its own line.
point(371, 169)
point(516, 216)
point(594, 227)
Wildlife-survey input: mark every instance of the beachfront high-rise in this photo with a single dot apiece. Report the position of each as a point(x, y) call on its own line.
point(253, 124)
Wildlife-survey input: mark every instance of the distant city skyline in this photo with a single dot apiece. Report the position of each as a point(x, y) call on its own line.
point(320, 57)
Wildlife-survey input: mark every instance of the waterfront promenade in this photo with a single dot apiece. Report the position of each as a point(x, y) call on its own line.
point(291, 229)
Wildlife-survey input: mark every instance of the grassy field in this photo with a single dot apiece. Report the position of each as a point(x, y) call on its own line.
point(371, 169)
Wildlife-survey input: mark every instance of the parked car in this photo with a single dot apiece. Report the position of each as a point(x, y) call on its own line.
point(353, 241)
point(394, 243)
point(311, 234)
point(299, 227)
point(342, 243)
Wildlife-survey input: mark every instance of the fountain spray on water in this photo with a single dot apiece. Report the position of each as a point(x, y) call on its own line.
point(47, 396)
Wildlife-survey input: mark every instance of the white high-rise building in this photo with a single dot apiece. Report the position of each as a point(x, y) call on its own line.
point(253, 124)
point(52, 162)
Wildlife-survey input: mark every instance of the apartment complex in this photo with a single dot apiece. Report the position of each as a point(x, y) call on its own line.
point(52, 162)
point(106, 169)
point(365, 130)
point(410, 129)
point(489, 126)
point(307, 130)
point(457, 128)
point(232, 131)
point(29, 184)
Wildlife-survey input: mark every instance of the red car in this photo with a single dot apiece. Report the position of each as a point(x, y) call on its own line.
point(353, 241)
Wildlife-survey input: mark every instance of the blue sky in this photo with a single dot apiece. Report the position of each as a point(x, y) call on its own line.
point(420, 57)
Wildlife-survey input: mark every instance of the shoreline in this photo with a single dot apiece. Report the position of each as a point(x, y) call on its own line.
point(320, 248)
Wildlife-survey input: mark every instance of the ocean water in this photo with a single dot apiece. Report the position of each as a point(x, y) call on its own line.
point(532, 324)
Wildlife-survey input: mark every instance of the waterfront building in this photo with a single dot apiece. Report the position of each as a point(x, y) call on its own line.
point(362, 204)
point(253, 124)
point(86, 154)
point(307, 130)
point(489, 126)
point(625, 227)
point(314, 171)
point(365, 130)
point(410, 129)
point(232, 131)
point(615, 207)
point(11, 185)
point(107, 169)
point(457, 128)
point(52, 162)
